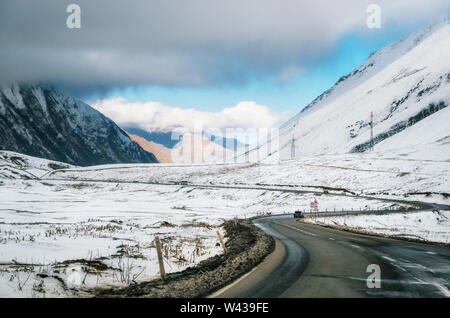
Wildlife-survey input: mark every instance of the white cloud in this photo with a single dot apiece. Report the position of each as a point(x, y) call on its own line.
point(155, 116)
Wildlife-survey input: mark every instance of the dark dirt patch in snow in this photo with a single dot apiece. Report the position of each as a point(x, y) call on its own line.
point(247, 246)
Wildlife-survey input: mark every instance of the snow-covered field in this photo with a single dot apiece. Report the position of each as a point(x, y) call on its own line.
point(426, 226)
point(62, 231)
point(400, 174)
point(103, 233)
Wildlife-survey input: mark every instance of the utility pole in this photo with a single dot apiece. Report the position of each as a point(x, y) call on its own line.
point(293, 142)
point(371, 131)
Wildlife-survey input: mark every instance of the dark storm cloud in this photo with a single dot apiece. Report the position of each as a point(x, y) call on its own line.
point(179, 43)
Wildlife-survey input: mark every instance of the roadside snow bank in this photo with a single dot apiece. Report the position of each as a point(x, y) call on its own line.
point(426, 226)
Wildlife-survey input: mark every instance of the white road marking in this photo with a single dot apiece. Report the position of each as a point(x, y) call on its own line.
point(296, 229)
point(389, 259)
point(416, 265)
point(441, 288)
point(444, 290)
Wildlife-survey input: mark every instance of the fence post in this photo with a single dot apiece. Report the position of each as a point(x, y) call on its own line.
point(160, 258)
point(221, 241)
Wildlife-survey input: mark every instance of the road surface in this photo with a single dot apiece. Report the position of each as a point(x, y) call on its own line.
point(314, 261)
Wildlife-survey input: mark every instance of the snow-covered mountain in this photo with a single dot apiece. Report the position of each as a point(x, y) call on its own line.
point(43, 122)
point(167, 139)
point(194, 148)
point(161, 153)
point(186, 147)
point(406, 86)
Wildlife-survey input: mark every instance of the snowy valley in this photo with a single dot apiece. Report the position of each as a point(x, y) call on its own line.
point(98, 223)
point(87, 215)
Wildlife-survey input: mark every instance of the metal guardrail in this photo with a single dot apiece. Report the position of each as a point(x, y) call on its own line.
point(356, 212)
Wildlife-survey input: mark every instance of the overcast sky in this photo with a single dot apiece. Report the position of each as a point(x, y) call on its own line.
point(199, 54)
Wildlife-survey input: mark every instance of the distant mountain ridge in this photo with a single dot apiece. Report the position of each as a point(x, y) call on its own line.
point(161, 153)
point(40, 121)
point(186, 147)
point(170, 139)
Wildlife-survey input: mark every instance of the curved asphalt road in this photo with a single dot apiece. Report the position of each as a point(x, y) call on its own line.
point(314, 261)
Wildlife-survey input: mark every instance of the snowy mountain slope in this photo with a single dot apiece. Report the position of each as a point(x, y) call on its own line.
point(165, 138)
point(42, 122)
point(14, 165)
point(161, 153)
point(407, 87)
